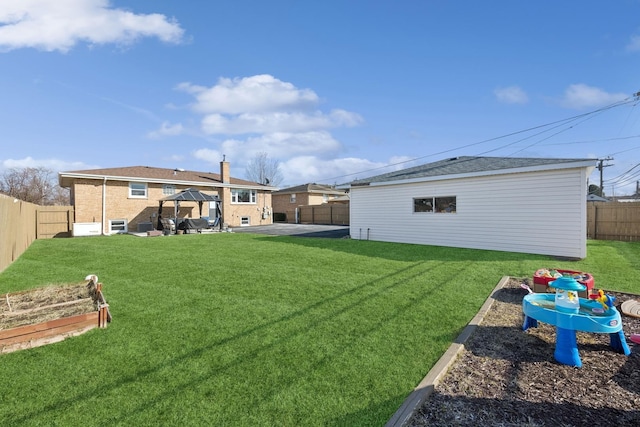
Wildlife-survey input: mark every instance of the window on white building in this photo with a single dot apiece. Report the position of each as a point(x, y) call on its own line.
point(435, 204)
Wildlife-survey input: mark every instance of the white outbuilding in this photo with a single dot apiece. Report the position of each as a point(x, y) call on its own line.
point(528, 205)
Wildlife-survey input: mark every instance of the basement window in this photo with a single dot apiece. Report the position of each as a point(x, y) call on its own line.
point(445, 204)
point(118, 226)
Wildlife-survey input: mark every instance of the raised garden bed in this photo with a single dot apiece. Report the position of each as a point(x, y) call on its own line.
point(51, 314)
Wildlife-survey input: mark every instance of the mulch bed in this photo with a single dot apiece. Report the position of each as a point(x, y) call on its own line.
point(508, 377)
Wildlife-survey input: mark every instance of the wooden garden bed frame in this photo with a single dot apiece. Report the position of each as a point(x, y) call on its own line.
point(51, 331)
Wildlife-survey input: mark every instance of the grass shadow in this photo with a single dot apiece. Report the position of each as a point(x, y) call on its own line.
point(404, 251)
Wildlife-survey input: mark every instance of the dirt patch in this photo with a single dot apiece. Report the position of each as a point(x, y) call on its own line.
point(44, 304)
point(508, 377)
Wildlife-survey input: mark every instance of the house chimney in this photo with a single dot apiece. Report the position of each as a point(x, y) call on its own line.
point(224, 171)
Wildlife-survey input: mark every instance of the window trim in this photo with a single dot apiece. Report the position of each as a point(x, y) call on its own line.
point(145, 189)
point(168, 189)
point(120, 229)
point(253, 196)
point(435, 204)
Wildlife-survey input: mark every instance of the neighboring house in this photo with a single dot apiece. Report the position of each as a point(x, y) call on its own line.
point(117, 200)
point(596, 198)
point(626, 199)
point(527, 205)
point(287, 200)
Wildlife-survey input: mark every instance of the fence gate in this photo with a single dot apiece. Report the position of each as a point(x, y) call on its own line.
point(54, 221)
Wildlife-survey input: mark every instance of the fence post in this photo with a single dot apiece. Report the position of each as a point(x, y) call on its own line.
point(595, 222)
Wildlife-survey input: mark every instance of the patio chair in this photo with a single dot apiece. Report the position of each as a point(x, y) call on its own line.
point(168, 224)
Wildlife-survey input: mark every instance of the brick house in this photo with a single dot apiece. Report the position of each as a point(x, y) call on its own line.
point(287, 200)
point(117, 200)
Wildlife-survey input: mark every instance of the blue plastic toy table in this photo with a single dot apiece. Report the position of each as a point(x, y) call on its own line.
point(541, 307)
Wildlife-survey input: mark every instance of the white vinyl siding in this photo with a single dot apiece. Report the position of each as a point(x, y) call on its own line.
point(533, 212)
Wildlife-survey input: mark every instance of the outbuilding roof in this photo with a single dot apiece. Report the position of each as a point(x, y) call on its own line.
point(458, 167)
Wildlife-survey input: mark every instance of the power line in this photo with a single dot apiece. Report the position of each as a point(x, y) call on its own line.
point(635, 97)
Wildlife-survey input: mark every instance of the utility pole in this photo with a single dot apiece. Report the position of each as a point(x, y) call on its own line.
point(600, 167)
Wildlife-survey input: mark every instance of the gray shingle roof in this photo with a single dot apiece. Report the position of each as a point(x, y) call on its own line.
point(310, 188)
point(466, 165)
point(156, 175)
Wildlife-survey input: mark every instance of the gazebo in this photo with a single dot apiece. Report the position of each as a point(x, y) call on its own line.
point(188, 195)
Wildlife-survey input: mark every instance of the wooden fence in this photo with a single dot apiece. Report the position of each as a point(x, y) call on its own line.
point(613, 221)
point(21, 223)
point(54, 221)
point(329, 214)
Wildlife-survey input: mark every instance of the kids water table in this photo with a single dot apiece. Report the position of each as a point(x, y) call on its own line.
point(591, 317)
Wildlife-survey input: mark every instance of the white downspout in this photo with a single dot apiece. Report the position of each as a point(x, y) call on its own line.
point(104, 205)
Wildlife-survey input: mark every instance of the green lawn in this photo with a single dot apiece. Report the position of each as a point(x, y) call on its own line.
point(240, 329)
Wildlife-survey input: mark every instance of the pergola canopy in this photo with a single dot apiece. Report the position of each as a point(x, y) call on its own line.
point(188, 195)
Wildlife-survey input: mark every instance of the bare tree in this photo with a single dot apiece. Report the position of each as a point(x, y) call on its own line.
point(34, 185)
point(264, 170)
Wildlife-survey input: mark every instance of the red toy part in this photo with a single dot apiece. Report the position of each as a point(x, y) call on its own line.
point(540, 277)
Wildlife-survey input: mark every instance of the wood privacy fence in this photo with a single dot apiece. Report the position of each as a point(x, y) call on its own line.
point(328, 214)
point(613, 221)
point(21, 223)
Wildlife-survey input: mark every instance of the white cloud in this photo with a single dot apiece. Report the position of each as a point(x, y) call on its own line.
point(634, 44)
point(280, 121)
point(402, 162)
point(278, 145)
point(167, 129)
point(255, 94)
point(262, 104)
point(55, 165)
point(511, 95)
point(304, 169)
point(208, 155)
point(303, 157)
point(261, 114)
point(52, 25)
point(580, 96)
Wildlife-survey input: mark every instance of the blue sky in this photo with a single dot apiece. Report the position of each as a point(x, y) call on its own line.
point(334, 90)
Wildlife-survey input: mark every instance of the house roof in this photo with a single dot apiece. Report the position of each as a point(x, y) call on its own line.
point(596, 198)
point(157, 175)
point(468, 166)
point(311, 188)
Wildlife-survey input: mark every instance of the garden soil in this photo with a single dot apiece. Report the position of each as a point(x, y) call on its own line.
point(505, 376)
point(44, 304)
